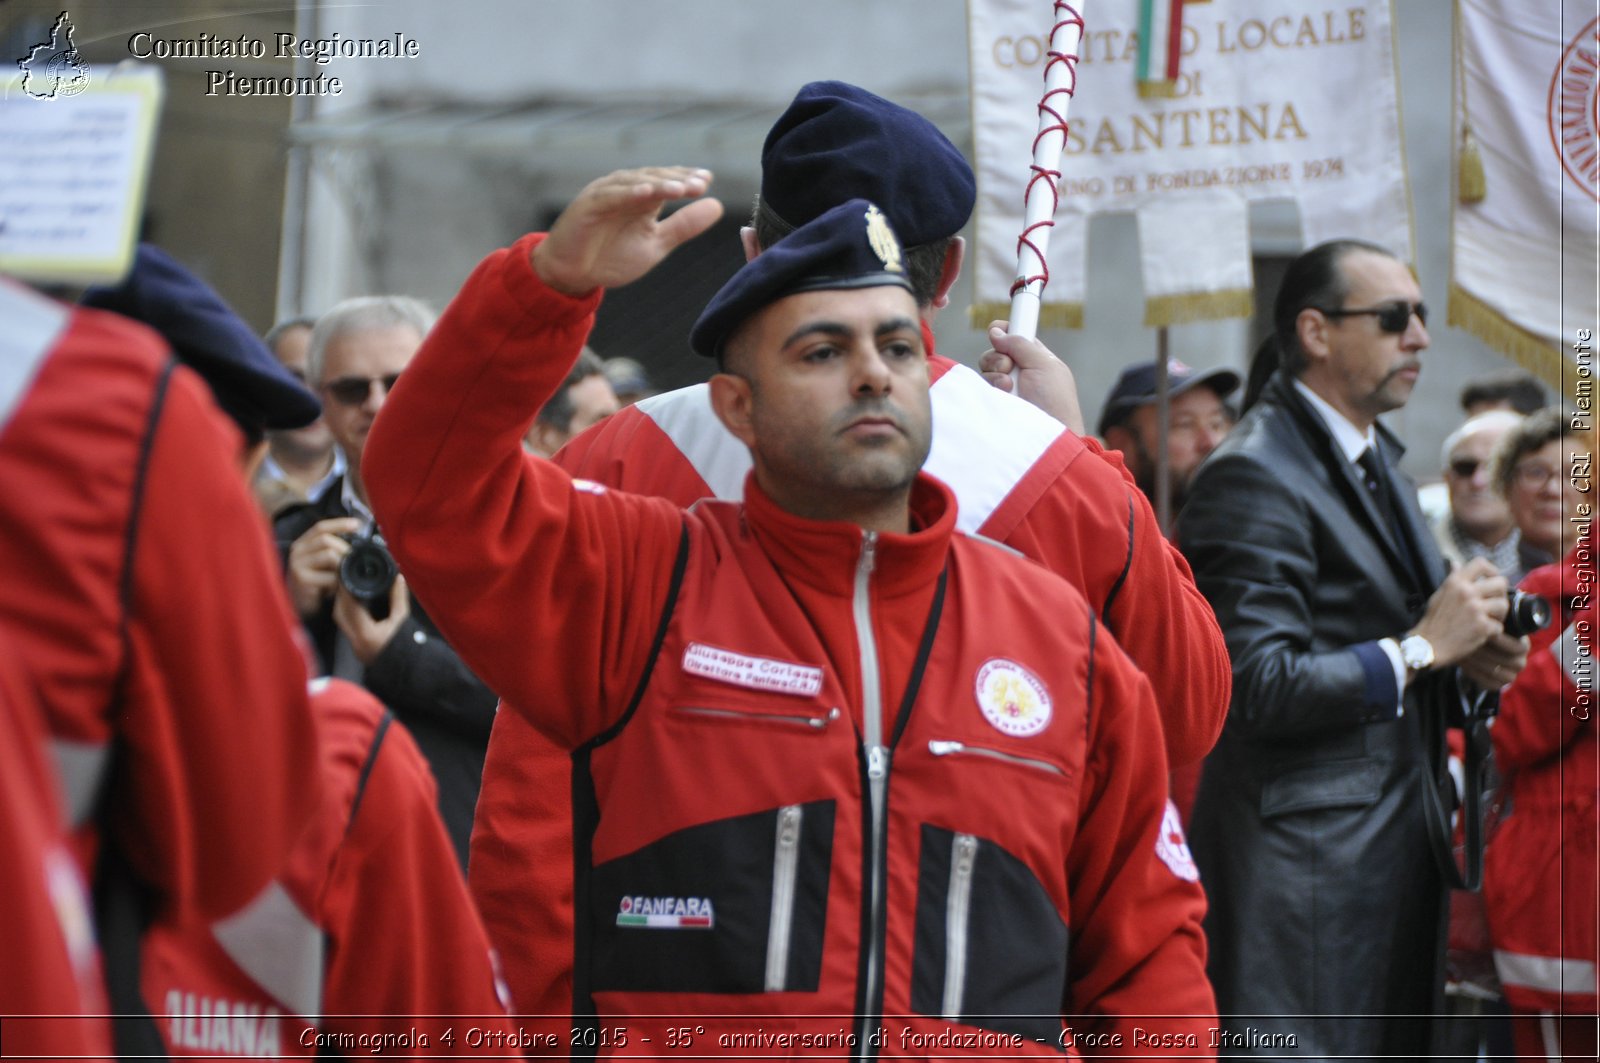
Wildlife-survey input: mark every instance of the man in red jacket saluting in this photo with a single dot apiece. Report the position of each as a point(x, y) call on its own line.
point(842, 776)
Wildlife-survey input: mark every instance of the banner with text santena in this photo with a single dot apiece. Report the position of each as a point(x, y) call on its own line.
point(1272, 99)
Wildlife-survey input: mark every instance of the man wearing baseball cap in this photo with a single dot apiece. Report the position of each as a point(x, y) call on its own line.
point(1198, 418)
point(830, 758)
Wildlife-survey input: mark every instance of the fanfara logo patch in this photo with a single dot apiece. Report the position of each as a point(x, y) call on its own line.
point(1012, 698)
point(1172, 847)
point(666, 913)
point(756, 673)
point(883, 241)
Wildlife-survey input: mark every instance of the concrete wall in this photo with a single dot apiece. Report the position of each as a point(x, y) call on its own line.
point(411, 205)
point(498, 51)
point(217, 180)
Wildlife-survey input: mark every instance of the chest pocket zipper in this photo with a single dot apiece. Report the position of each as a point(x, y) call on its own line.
point(785, 867)
point(947, 749)
point(958, 907)
point(815, 723)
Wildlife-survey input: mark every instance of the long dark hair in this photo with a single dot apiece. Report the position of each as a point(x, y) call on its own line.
point(1315, 279)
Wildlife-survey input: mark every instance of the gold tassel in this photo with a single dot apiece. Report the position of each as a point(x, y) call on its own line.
point(1158, 90)
point(1472, 186)
point(1198, 306)
point(1051, 315)
point(1538, 355)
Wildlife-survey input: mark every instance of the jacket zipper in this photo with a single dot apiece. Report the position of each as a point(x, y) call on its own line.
point(945, 749)
point(785, 868)
point(958, 905)
point(816, 723)
point(877, 758)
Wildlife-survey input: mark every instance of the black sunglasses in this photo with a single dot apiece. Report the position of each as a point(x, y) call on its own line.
point(353, 390)
point(1465, 468)
point(1392, 317)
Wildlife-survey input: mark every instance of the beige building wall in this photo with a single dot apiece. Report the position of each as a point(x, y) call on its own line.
point(217, 181)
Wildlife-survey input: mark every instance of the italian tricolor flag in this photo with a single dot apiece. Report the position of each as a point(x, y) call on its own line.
point(1160, 37)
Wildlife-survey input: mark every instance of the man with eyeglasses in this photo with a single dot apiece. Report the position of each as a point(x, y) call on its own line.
point(300, 462)
point(1478, 522)
point(1322, 812)
point(373, 632)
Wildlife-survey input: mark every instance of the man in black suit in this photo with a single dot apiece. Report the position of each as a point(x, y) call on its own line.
point(1351, 647)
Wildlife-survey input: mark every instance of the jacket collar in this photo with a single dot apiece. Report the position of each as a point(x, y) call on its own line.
point(1408, 545)
point(826, 554)
point(1351, 441)
point(1280, 391)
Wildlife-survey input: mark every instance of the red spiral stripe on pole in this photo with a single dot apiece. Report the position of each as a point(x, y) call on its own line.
point(1067, 16)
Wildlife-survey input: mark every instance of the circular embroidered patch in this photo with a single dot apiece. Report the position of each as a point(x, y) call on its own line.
point(1173, 848)
point(1012, 698)
point(1574, 109)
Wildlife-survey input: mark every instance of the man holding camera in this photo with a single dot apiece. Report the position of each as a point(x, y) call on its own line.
point(361, 618)
point(1321, 810)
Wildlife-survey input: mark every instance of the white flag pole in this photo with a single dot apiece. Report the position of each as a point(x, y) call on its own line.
point(1041, 196)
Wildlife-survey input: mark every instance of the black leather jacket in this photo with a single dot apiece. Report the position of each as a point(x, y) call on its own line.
point(1310, 827)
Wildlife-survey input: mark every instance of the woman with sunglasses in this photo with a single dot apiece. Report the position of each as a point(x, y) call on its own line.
point(1540, 888)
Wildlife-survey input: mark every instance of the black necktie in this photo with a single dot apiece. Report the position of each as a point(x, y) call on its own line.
point(1377, 482)
point(1372, 472)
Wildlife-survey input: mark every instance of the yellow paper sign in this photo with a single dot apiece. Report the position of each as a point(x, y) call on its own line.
point(75, 148)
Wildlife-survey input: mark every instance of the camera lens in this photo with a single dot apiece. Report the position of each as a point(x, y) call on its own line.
point(1526, 614)
point(367, 571)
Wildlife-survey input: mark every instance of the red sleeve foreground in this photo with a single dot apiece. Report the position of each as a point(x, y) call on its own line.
point(506, 551)
point(206, 694)
point(50, 988)
point(215, 722)
point(407, 950)
point(1139, 986)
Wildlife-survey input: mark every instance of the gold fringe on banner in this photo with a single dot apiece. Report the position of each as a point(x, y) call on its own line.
point(1539, 356)
point(1158, 90)
point(1051, 315)
point(1198, 306)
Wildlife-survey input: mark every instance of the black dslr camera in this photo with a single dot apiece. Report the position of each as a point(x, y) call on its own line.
point(1527, 613)
point(368, 572)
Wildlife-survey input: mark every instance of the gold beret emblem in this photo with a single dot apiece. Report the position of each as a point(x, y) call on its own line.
point(883, 241)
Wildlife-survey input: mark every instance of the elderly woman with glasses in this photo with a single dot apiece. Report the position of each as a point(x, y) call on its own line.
point(1531, 470)
point(1540, 874)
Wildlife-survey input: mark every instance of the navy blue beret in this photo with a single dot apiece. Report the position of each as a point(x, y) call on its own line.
point(1136, 387)
point(837, 141)
point(249, 383)
point(851, 246)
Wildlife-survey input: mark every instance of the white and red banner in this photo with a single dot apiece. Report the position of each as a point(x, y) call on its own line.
point(1523, 260)
point(1274, 99)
